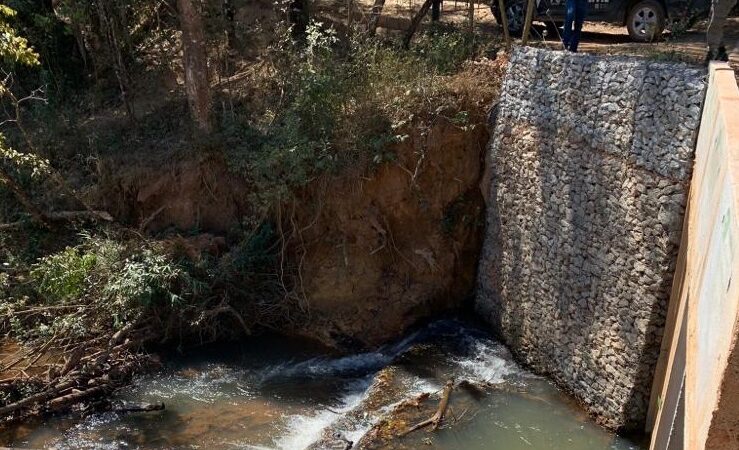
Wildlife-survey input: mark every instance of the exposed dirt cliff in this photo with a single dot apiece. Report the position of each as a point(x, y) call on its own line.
point(364, 254)
point(377, 253)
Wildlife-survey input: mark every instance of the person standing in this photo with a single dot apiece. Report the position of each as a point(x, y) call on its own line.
point(715, 34)
point(576, 12)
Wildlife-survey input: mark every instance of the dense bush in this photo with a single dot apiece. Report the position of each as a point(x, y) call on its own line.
point(102, 282)
point(63, 276)
point(335, 107)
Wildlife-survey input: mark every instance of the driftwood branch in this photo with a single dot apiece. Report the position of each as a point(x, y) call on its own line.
point(435, 420)
point(77, 396)
point(125, 407)
point(40, 397)
point(84, 377)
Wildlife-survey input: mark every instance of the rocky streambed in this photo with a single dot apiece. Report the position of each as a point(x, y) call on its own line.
point(269, 393)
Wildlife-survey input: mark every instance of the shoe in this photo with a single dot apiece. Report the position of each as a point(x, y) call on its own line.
point(708, 58)
point(722, 55)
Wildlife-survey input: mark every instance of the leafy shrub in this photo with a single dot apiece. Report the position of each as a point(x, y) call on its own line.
point(63, 276)
point(121, 279)
point(445, 49)
point(144, 279)
point(340, 109)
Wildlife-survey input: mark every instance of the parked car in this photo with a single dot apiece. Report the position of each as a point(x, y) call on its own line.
point(644, 19)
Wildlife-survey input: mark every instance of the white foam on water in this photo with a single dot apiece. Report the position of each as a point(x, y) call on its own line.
point(356, 434)
point(490, 362)
point(205, 385)
point(304, 430)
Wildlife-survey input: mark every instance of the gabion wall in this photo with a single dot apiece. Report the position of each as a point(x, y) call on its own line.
point(591, 160)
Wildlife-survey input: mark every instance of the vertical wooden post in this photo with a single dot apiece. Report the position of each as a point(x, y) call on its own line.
point(472, 16)
point(349, 15)
point(504, 23)
point(527, 23)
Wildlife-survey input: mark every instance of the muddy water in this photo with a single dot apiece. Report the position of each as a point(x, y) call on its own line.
point(274, 394)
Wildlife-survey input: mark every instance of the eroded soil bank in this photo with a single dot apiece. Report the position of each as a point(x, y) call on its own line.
point(364, 254)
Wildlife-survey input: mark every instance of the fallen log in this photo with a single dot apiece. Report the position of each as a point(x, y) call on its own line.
point(61, 216)
point(435, 420)
point(40, 397)
point(77, 397)
point(126, 407)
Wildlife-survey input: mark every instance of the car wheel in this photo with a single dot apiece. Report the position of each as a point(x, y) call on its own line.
point(645, 21)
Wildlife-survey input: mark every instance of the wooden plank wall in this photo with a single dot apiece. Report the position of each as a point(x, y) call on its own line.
point(706, 287)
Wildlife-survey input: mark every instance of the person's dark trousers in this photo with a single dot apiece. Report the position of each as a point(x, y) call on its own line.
point(576, 12)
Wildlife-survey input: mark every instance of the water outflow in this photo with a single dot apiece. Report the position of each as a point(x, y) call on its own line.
point(273, 394)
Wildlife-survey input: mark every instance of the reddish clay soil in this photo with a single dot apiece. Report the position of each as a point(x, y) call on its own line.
point(724, 431)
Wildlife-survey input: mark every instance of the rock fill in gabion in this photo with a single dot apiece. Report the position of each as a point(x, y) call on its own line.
point(591, 160)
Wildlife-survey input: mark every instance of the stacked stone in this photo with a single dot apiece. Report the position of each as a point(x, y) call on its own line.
point(590, 161)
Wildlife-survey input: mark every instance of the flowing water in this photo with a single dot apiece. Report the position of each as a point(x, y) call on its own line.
point(270, 393)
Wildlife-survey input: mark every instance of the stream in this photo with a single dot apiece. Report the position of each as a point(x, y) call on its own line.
point(276, 393)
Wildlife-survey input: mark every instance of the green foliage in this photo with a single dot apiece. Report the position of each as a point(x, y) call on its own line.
point(98, 283)
point(14, 49)
point(26, 169)
point(444, 48)
point(120, 280)
point(63, 276)
point(33, 164)
point(341, 108)
point(144, 279)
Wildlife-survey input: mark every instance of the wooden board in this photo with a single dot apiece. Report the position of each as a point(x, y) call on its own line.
point(707, 280)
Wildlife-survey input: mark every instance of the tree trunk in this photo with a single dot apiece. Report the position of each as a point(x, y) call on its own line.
point(195, 61)
point(375, 16)
point(417, 21)
point(22, 197)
